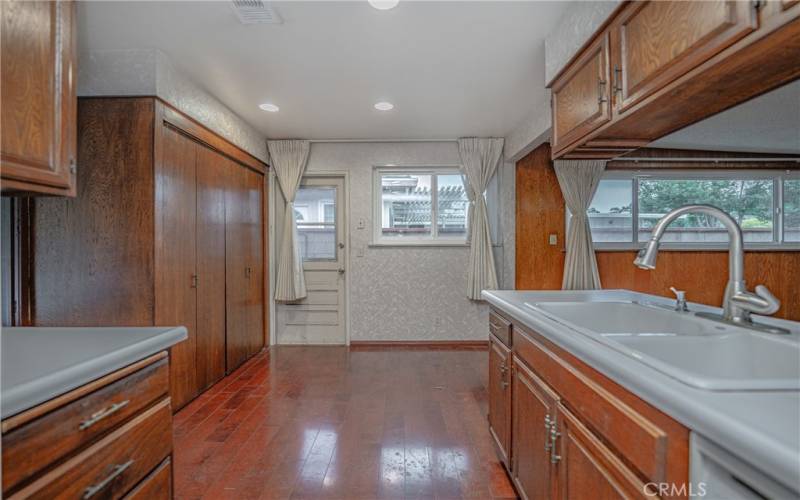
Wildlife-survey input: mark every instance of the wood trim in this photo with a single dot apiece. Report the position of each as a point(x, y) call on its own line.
point(165, 112)
point(19, 419)
point(421, 344)
point(201, 133)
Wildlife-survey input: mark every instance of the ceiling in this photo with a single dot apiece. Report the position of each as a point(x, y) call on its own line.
point(450, 68)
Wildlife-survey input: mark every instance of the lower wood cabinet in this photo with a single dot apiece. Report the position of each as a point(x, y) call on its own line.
point(106, 439)
point(575, 434)
point(168, 230)
point(500, 396)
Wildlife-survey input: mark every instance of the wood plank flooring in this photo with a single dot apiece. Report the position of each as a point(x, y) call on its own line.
point(329, 422)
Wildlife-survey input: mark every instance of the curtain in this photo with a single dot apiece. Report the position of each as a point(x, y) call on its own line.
point(579, 180)
point(288, 159)
point(479, 159)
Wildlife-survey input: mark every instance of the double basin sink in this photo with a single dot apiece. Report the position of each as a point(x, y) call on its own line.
point(696, 351)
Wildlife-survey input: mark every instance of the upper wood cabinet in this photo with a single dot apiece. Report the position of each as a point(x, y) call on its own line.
point(581, 98)
point(37, 91)
point(655, 42)
point(658, 66)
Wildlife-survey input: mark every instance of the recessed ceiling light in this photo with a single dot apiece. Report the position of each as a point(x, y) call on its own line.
point(269, 107)
point(384, 106)
point(384, 4)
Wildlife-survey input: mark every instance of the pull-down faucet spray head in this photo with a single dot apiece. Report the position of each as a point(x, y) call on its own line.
point(646, 259)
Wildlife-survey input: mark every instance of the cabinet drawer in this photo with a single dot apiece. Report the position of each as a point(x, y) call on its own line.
point(156, 486)
point(33, 446)
point(500, 328)
point(643, 441)
point(112, 466)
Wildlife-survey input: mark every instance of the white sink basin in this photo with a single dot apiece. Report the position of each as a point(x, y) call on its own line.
point(697, 351)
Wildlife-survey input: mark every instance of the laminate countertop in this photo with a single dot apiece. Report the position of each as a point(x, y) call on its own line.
point(759, 427)
point(40, 363)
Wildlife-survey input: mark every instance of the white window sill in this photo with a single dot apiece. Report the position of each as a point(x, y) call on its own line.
point(666, 247)
point(439, 243)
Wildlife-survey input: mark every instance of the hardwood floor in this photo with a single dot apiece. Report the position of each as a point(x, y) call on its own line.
point(327, 422)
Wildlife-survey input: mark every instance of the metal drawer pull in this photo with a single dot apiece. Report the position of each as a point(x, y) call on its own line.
point(100, 415)
point(118, 469)
point(554, 435)
point(547, 426)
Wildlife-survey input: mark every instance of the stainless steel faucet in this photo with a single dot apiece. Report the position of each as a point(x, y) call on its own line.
point(738, 303)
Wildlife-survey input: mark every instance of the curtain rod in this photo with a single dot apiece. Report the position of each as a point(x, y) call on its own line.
point(707, 159)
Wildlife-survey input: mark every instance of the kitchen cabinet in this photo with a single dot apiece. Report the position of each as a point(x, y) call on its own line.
point(149, 240)
point(37, 87)
point(500, 397)
point(647, 57)
point(657, 66)
point(103, 437)
point(577, 434)
point(533, 418)
point(581, 98)
point(244, 265)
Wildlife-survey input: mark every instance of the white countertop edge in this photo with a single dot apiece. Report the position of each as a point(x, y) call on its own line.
point(687, 405)
point(35, 392)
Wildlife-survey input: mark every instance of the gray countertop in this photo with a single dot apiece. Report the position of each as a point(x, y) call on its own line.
point(39, 364)
point(761, 427)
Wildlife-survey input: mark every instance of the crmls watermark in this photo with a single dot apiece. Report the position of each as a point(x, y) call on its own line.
point(675, 490)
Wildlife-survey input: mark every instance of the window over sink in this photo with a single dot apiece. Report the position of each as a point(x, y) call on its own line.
point(627, 205)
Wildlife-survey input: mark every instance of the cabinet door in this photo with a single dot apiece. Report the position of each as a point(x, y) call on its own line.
point(236, 263)
point(175, 256)
point(210, 266)
point(37, 87)
point(534, 407)
point(500, 396)
point(587, 469)
point(581, 96)
point(656, 42)
point(255, 253)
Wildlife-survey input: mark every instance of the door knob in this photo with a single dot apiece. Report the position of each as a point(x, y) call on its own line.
point(340, 270)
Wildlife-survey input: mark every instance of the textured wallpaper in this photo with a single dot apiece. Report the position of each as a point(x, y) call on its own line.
point(150, 72)
point(577, 25)
point(406, 293)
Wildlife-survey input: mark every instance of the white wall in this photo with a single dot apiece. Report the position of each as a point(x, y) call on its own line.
point(404, 293)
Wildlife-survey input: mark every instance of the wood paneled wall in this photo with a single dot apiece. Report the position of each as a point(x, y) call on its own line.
point(539, 266)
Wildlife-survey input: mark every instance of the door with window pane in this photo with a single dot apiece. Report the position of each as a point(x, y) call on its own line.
point(319, 215)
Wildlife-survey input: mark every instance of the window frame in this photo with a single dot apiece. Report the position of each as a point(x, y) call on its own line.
point(433, 239)
point(778, 178)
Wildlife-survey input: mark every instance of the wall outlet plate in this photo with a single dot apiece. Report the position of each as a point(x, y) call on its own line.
point(554, 239)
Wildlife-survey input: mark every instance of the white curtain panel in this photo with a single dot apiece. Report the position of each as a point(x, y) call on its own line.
point(579, 180)
point(479, 160)
point(289, 160)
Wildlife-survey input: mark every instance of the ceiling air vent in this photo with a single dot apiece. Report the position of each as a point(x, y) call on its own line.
point(255, 12)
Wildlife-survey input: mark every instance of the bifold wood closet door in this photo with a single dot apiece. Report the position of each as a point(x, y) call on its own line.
point(167, 230)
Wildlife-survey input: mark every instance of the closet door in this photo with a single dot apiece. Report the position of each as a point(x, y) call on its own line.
point(236, 263)
point(210, 267)
point(255, 266)
point(175, 256)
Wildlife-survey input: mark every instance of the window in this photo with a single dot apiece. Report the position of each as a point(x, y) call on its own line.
point(627, 205)
point(409, 200)
point(315, 214)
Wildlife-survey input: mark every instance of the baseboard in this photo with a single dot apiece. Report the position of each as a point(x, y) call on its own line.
point(464, 345)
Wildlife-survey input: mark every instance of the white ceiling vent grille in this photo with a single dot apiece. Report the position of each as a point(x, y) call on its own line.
point(255, 12)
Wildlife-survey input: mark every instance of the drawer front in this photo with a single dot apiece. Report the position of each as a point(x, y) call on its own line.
point(112, 466)
point(156, 486)
point(639, 440)
point(500, 328)
point(35, 445)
